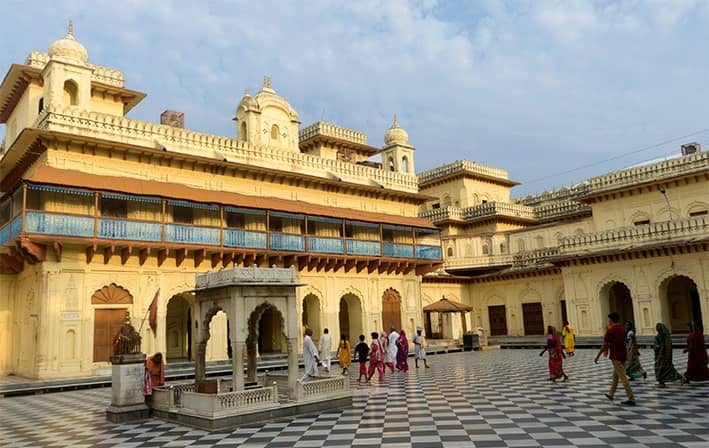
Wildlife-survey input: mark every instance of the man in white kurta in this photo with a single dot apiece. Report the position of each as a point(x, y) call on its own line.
point(393, 349)
point(310, 356)
point(325, 349)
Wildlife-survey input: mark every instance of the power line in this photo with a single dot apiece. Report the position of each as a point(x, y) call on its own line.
point(610, 159)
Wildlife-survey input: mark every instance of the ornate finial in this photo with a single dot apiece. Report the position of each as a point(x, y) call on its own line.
point(246, 92)
point(395, 124)
point(267, 81)
point(71, 28)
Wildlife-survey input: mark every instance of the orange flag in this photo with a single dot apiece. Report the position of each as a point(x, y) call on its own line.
point(153, 313)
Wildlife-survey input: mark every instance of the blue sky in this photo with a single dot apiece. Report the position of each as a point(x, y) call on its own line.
point(537, 87)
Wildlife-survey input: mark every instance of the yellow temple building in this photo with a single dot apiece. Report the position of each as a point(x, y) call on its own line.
point(100, 214)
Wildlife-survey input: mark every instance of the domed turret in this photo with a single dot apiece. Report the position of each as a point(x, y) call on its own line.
point(68, 48)
point(396, 135)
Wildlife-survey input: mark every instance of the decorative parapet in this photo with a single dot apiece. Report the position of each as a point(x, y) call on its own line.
point(559, 209)
point(323, 388)
point(461, 166)
point(443, 214)
point(499, 208)
point(113, 127)
point(246, 276)
point(479, 261)
point(104, 75)
point(666, 231)
point(534, 257)
point(230, 403)
point(332, 130)
point(648, 173)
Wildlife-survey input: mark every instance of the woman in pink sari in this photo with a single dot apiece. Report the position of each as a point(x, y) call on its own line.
point(402, 354)
point(376, 358)
point(556, 355)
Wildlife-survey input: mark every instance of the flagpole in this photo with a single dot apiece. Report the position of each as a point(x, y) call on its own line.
point(147, 312)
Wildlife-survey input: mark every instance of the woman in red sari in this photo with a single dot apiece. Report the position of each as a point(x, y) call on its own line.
point(697, 358)
point(154, 372)
point(376, 358)
point(556, 355)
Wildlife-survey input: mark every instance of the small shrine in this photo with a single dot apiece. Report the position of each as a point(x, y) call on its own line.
point(245, 294)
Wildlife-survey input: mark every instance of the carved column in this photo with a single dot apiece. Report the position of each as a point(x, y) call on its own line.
point(200, 369)
point(251, 353)
point(237, 365)
point(293, 372)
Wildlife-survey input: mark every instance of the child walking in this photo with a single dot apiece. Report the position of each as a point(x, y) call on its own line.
point(343, 354)
point(362, 351)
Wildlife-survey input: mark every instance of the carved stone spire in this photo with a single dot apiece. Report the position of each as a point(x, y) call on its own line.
point(70, 32)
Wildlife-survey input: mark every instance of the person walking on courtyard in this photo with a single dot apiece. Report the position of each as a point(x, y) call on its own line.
point(569, 336)
point(633, 369)
point(387, 360)
point(419, 351)
point(325, 349)
point(402, 353)
point(662, 345)
point(556, 355)
point(614, 344)
point(343, 354)
point(310, 356)
point(697, 358)
point(393, 346)
point(376, 358)
point(362, 351)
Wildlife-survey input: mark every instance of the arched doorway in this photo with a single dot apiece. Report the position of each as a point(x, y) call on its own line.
point(178, 328)
point(112, 302)
point(350, 316)
point(218, 343)
point(270, 332)
point(391, 309)
point(311, 314)
point(615, 297)
point(680, 303)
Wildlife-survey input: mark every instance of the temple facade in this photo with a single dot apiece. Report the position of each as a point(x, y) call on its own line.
point(634, 241)
point(102, 214)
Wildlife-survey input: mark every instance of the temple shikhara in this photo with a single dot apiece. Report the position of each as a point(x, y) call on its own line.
point(101, 213)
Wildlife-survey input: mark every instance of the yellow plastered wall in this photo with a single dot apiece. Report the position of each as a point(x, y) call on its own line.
point(24, 114)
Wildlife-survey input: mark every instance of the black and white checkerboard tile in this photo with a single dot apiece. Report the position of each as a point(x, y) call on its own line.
point(478, 399)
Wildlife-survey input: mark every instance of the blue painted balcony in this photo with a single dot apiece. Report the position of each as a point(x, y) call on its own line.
point(326, 245)
point(396, 250)
point(287, 241)
point(59, 224)
point(428, 252)
point(363, 247)
point(179, 233)
point(123, 229)
point(245, 239)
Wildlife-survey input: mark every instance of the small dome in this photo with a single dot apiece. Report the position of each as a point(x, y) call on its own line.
point(68, 48)
point(396, 135)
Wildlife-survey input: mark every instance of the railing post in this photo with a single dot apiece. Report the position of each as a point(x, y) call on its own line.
point(162, 220)
point(24, 209)
point(96, 198)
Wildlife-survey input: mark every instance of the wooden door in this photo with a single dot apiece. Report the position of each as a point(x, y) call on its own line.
point(391, 310)
point(533, 318)
point(107, 323)
point(498, 320)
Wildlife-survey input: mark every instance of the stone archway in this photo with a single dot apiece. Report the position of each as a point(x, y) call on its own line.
point(615, 297)
point(679, 298)
point(350, 316)
point(391, 309)
point(266, 328)
point(310, 317)
point(178, 328)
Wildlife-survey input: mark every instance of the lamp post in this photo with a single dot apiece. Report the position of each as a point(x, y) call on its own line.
point(664, 194)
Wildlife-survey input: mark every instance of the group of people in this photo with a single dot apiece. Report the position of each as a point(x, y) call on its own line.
point(621, 347)
point(386, 350)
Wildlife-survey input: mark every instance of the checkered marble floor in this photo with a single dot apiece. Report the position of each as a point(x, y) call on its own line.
point(475, 399)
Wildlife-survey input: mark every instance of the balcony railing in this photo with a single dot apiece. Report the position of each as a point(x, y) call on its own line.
point(381, 240)
point(124, 229)
point(480, 261)
point(637, 235)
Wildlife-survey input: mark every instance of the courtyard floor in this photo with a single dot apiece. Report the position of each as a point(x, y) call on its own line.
point(473, 399)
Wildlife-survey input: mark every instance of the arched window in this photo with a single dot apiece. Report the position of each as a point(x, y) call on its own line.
point(446, 201)
point(486, 249)
point(405, 164)
point(503, 248)
point(275, 132)
point(71, 92)
point(450, 252)
point(242, 131)
point(391, 165)
point(40, 106)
